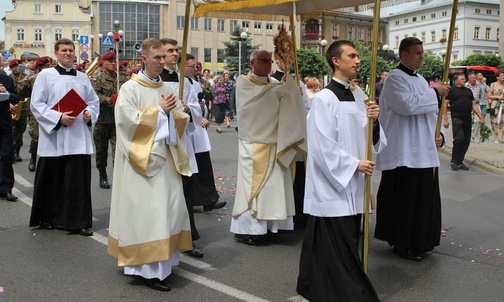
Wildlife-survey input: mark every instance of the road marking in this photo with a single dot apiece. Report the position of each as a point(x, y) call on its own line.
point(217, 286)
point(223, 288)
point(298, 298)
point(22, 181)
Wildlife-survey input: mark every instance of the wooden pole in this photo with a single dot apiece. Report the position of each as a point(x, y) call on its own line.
point(184, 51)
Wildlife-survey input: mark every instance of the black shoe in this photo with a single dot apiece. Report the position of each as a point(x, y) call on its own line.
point(219, 131)
point(17, 157)
point(214, 206)
point(408, 254)
point(46, 226)
point(157, 284)
point(8, 196)
point(246, 239)
point(454, 167)
point(31, 164)
point(272, 237)
point(83, 232)
point(462, 167)
point(196, 253)
point(104, 184)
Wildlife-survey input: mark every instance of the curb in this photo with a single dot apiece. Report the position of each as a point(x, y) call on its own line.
point(476, 162)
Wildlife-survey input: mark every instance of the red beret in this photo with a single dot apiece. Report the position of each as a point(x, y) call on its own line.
point(109, 56)
point(135, 69)
point(14, 62)
point(100, 63)
point(123, 64)
point(42, 61)
point(79, 67)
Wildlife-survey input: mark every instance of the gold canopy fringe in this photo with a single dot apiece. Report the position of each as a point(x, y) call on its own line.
point(202, 7)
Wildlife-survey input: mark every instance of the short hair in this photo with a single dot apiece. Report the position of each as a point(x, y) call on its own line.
point(188, 57)
point(63, 41)
point(335, 50)
point(498, 73)
point(406, 44)
point(169, 41)
point(149, 43)
point(457, 76)
point(384, 72)
point(206, 70)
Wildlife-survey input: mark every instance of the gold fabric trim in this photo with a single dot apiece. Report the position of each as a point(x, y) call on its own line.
point(141, 143)
point(293, 146)
point(256, 80)
point(181, 121)
point(203, 7)
point(259, 168)
point(145, 83)
point(149, 252)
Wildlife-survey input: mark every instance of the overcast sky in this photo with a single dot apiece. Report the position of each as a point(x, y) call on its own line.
point(5, 5)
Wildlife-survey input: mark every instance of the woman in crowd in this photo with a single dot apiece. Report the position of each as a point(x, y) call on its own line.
point(494, 98)
point(218, 104)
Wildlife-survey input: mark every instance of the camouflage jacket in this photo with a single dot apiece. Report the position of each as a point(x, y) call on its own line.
point(106, 86)
point(23, 88)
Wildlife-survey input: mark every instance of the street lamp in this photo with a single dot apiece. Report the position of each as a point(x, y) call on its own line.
point(443, 54)
point(100, 37)
point(91, 37)
point(243, 36)
point(385, 47)
point(323, 43)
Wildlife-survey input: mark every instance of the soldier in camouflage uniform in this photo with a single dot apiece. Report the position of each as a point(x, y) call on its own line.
point(105, 86)
point(23, 87)
point(33, 129)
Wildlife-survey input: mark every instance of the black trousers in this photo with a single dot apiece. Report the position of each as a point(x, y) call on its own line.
point(461, 139)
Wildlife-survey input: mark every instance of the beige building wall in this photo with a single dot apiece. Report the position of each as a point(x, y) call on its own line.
point(33, 26)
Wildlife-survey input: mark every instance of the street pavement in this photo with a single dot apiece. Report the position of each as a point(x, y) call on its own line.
point(41, 265)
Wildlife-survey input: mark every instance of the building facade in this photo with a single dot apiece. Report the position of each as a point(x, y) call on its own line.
point(476, 28)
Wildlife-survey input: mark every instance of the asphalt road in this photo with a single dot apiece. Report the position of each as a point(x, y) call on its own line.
point(42, 265)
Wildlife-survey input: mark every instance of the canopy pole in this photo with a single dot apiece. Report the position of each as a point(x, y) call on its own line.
point(293, 30)
point(184, 51)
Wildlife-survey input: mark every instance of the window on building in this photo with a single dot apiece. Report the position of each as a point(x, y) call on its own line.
point(351, 31)
point(220, 24)
point(456, 34)
point(369, 31)
point(269, 28)
point(433, 36)
point(232, 25)
point(360, 32)
point(413, 19)
point(38, 34)
point(497, 34)
point(194, 52)
point(444, 14)
point(489, 11)
point(396, 41)
point(422, 34)
point(38, 8)
point(245, 25)
point(477, 11)
point(58, 34)
point(476, 32)
point(414, 35)
point(208, 24)
point(422, 17)
point(220, 55)
point(257, 27)
point(75, 34)
point(194, 23)
point(405, 21)
point(443, 34)
point(397, 22)
point(335, 30)
point(57, 8)
point(455, 58)
point(433, 16)
point(208, 55)
point(311, 28)
point(488, 31)
point(20, 34)
point(180, 21)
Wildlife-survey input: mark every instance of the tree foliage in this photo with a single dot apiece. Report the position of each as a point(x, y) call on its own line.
point(480, 60)
point(232, 49)
point(431, 64)
point(311, 63)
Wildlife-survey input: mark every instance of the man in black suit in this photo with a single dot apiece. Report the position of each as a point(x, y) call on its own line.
point(6, 143)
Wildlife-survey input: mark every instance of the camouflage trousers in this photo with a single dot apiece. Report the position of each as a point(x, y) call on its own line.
point(103, 133)
point(18, 129)
point(33, 131)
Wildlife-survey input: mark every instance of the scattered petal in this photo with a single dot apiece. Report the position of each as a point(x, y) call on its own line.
point(1, 289)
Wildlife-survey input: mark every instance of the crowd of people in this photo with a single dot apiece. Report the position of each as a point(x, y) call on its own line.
point(301, 156)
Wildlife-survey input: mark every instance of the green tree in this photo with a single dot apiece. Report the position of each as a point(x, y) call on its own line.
point(365, 58)
point(431, 65)
point(232, 49)
point(480, 60)
point(311, 64)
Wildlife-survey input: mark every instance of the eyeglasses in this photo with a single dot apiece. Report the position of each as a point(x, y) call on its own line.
point(266, 61)
point(191, 66)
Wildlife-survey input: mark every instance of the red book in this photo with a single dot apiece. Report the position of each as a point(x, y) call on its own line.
point(72, 101)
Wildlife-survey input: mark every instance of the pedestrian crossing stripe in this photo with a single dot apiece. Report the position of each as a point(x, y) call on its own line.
point(107, 41)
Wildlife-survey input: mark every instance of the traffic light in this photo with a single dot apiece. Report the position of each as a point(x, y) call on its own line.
point(244, 53)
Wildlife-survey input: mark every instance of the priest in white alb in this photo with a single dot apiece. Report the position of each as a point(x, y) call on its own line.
point(149, 223)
